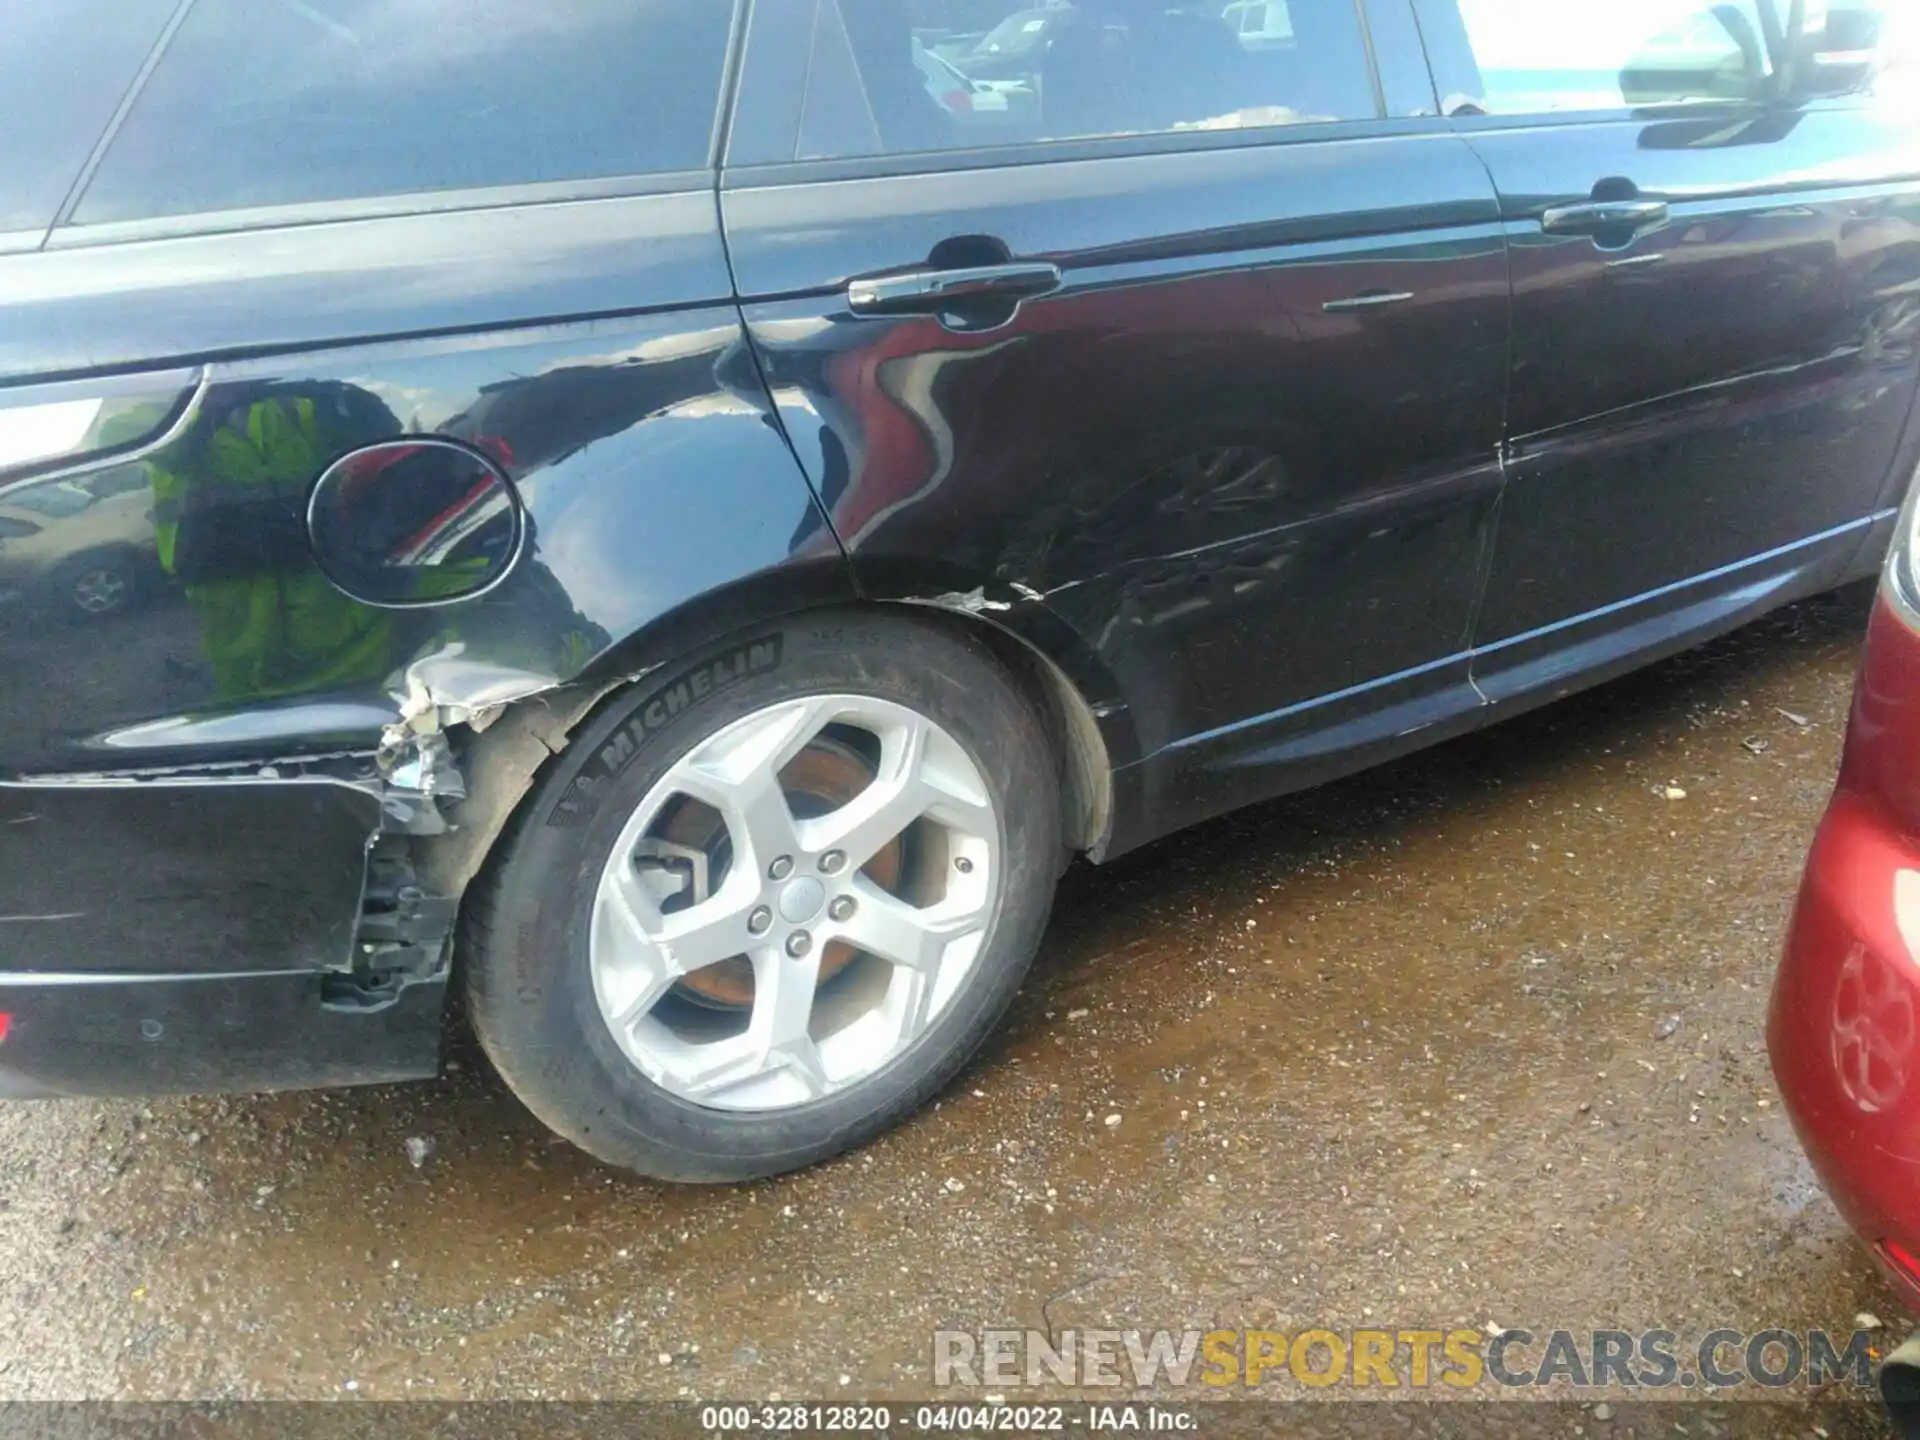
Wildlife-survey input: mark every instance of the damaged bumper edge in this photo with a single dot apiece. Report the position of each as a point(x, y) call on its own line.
point(262, 925)
point(201, 933)
point(439, 692)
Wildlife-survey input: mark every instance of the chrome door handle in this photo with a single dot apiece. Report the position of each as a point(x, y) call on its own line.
point(921, 292)
point(1591, 217)
point(1372, 300)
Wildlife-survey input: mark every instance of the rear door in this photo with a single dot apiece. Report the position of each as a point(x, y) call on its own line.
point(1715, 231)
point(1193, 350)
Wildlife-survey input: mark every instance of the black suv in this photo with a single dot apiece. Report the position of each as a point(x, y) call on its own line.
point(681, 517)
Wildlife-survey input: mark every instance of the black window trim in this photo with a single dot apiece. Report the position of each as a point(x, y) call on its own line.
point(1048, 152)
point(1374, 76)
point(63, 234)
point(1728, 109)
point(1411, 89)
point(737, 32)
point(383, 207)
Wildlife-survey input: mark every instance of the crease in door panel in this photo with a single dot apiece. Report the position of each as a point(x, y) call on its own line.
point(1503, 455)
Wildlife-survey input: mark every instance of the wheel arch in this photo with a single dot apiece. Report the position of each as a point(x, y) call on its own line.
point(1087, 723)
point(1072, 723)
point(502, 758)
point(1086, 711)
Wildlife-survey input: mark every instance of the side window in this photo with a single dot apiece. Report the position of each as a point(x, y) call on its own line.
point(274, 102)
point(1535, 58)
point(1847, 45)
point(1902, 57)
point(960, 74)
point(1902, 40)
point(63, 69)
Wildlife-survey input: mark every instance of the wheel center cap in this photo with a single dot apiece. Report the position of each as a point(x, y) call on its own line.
point(801, 900)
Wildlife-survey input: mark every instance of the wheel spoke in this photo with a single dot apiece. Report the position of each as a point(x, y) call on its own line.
point(633, 972)
point(866, 824)
point(761, 822)
point(952, 797)
point(760, 744)
point(649, 986)
point(899, 933)
point(720, 1067)
point(709, 933)
point(777, 1036)
point(910, 1001)
point(685, 940)
point(801, 1058)
point(916, 778)
point(633, 906)
point(783, 989)
point(753, 807)
point(737, 772)
point(739, 1061)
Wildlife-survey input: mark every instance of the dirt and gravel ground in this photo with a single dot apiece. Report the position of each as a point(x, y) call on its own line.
point(1474, 1038)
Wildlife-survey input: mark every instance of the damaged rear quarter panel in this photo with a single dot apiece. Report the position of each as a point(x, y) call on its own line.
point(661, 506)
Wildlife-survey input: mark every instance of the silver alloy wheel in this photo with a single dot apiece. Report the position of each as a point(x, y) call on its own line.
point(790, 889)
point(99, 591)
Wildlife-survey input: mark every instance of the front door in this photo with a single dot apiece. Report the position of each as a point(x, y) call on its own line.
point(1716, 282)
point(1185, 337)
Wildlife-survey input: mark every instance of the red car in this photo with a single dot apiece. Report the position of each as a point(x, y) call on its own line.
point(1844, 1028)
